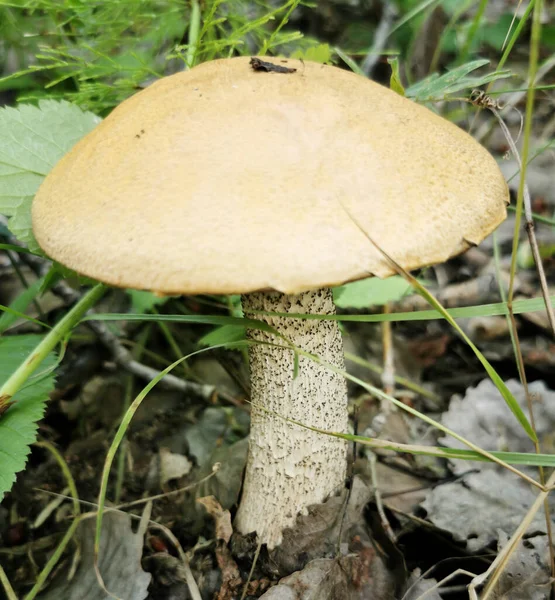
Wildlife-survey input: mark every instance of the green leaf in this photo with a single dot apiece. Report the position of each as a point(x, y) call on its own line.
point(413, 13)
point(33, 140)
point(319, 54)
point(12, 247)
point(499, 383)
point(226, 334)
point(436, 87)
point(143, 302)
point(395, 78)
point(370, 292)
point(18, 425)
point(349, 61)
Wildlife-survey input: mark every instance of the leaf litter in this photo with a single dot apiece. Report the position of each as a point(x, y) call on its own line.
point(119, 563)
point(486, 504)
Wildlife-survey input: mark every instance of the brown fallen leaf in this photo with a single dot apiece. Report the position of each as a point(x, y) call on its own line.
point(231, 577)
point(222, 518)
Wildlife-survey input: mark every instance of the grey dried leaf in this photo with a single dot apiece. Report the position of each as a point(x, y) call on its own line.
point(119, 563)
point(473, 510)
point(527, 575)
point(483, 417)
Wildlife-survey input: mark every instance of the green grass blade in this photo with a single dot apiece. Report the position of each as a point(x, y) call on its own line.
point(513, 458)
point(349, 62)
point(499, 383)
point(516, 34)
point(124, 425)
point(194, 319)
point(484, 310)
point(412, 14)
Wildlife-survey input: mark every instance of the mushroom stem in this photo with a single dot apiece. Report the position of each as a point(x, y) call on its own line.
point(290, 467)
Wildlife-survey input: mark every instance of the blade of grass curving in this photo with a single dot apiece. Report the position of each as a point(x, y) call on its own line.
point(122, 429)
point(13, 315)
point(65, 472)
point(53, 561)
point(412, 14)
point(514, 458)
point(499, 383)
point(349, 61)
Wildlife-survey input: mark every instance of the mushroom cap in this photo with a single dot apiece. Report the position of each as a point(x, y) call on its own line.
point(223, 179)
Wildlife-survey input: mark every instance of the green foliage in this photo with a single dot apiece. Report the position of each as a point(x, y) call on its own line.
point(439, 87)
point(321, 54)
point(414, 11)
point(18, 425)
point(371, 292)
point(33, 140)
point(96, 54)
point(395, 80)
point(143, 302)
point(223, 336)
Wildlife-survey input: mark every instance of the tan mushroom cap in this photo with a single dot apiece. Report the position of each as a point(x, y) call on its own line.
point(224, 179)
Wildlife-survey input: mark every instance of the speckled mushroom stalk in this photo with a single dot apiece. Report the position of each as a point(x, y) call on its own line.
point(290, 467)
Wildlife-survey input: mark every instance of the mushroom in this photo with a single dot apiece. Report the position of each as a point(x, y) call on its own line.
point(230, 179)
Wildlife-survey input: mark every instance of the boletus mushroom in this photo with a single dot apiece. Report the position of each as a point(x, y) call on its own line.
point(232, 179)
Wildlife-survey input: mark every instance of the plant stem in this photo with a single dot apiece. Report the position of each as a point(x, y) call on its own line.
point(194, 28)
point(20, 376)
